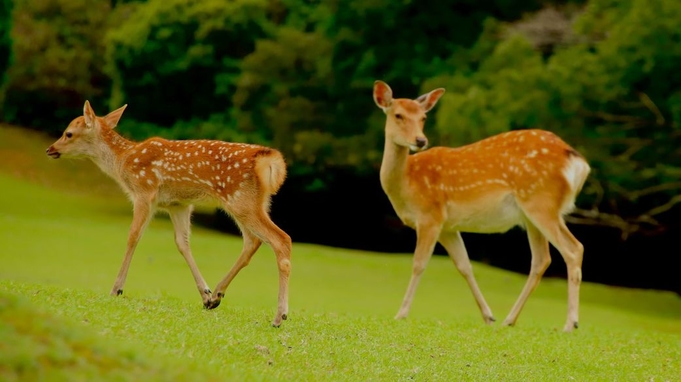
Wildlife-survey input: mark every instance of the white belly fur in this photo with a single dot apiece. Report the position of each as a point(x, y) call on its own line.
point(497, 213)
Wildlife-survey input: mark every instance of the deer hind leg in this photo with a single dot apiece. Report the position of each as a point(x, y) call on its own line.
point(181, 218)
point(573, 253)
point(251, 245)
point(426, 238)
point(142, 214)
point(275, 237)
point(541, 259)
point(456, 249)
point(258, 228)
point(554, 229)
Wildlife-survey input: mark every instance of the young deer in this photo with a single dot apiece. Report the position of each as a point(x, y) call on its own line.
point(174, 175)
point(528, 178)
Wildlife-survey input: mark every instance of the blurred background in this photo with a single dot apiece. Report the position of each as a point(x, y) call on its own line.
point(297, 75)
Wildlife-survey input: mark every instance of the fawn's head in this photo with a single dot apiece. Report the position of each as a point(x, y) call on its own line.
point(405, 117)
point(79, 137)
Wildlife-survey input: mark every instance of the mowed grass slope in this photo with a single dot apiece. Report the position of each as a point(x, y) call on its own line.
point(64, 231)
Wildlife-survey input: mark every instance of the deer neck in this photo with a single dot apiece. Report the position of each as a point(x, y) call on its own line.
point(394, 171)
point(109, 152)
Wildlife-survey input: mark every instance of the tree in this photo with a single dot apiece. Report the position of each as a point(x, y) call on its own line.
point(58, 60)
point(179, 59)
point(5, 38)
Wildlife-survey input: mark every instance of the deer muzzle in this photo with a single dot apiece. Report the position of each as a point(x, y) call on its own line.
point(51, 151)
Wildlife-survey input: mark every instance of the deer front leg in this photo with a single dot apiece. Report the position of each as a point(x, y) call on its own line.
point(181, 218)
point(142, 213)
point(426, 237)
point(453, 243)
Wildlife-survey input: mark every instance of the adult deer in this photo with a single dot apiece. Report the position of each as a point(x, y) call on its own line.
point(528, 178)
point(175, 175)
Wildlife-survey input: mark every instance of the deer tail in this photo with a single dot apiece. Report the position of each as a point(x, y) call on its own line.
point(271, 169)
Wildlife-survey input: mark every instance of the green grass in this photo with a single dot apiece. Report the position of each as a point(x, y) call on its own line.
point(35, 345)
point(63, 244)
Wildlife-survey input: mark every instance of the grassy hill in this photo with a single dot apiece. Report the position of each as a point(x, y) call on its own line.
point(35, 345)
point(64, 226)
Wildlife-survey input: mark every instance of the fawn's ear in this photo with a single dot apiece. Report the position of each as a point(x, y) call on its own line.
point(89, 115)
point(115, 116)
point(429, 100)
point(383, 95)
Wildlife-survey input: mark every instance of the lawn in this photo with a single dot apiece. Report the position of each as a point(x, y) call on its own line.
point(64, 226)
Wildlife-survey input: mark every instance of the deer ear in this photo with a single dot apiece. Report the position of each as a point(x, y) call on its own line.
point(115, 116)
point(89, 115)
point(383, 95)
point(429, 100)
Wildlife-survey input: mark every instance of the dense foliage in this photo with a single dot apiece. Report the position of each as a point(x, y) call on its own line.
point(610, 87)
point(5, 40)
point(297, 75)
point(58, 60)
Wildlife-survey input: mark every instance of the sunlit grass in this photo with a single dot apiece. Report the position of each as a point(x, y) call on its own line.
point(63, 246)
point(237, 342)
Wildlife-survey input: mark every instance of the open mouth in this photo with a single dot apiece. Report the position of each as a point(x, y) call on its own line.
point(54, 154)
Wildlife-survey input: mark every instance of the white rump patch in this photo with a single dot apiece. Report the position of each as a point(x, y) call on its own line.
point(576, 172)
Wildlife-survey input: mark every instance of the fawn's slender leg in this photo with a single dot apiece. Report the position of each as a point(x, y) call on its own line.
point(251, 245)
point(142, 214)
point(541, 259)
point(280, 242)
point(181, 218)
point(426, 238)
point(264, 230)
point(456, 249)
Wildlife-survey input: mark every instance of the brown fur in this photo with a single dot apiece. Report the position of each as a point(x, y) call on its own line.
point(173, 176)
point(528, 178)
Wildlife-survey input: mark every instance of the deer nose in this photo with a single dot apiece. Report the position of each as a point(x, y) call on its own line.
point(421, 142)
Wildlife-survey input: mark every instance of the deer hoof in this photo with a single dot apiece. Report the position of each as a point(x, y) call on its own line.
point(119, 292)
point(212, 304)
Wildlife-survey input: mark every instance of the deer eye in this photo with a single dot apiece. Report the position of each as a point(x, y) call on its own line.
point(399, 116)
point(69, 135)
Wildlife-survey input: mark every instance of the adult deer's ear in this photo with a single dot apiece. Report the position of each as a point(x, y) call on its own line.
point(429, 100)
point(383, 95)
